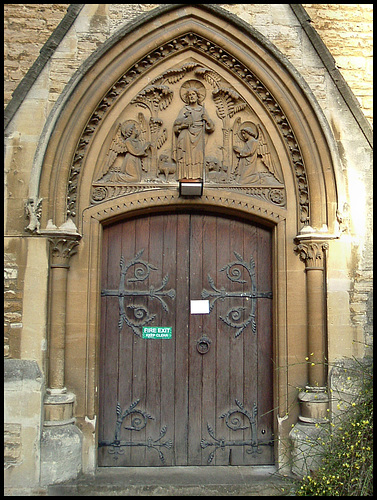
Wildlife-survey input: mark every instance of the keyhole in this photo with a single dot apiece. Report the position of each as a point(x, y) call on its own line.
point(263, 431)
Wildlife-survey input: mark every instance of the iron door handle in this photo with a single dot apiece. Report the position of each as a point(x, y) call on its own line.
point(203, 345)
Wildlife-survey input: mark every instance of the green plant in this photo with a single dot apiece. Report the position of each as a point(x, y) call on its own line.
point(346, 464)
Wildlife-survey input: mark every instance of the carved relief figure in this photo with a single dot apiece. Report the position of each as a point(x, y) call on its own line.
point(216, 137)
point(126, 141)
point(254, 160)
point(190, 128)
point(215, 170)
point(246, 154)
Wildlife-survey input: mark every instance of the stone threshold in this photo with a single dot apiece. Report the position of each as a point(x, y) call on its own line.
point(172, 481)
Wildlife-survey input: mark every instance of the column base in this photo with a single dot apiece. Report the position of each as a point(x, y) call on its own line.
point(314, 405)
point(311, 431)
point(58, 408)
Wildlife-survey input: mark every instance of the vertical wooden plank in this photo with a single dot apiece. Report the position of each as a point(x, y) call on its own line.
point(138, 374)
point(209, 258)
point(168, 345)
point(223, 338)
point(154, 346)
point(110, 394)
point(236, 372)
point(264, 325)
point(182, 341)
point(250, 342)
point(125, 395)
point(195, 332)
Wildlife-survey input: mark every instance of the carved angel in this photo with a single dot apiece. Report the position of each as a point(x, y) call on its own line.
point(254, 162)
point(127, 142)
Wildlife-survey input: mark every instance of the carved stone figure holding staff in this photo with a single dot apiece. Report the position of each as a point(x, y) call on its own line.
point(189, 128)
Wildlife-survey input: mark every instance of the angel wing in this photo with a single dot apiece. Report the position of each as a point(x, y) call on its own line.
point(118, 146)
point(264, 153)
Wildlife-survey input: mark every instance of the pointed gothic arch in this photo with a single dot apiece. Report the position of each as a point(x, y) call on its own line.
point(182, 39)
point(228, 43)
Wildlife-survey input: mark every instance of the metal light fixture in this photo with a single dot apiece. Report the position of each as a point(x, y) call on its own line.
point(190, 187)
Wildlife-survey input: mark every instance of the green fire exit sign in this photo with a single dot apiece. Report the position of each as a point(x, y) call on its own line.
point(157, 332)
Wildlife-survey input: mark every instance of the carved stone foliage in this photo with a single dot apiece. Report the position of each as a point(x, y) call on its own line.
point(146, 149)
point(312, 253)
point(193, 125)
point(62, 248)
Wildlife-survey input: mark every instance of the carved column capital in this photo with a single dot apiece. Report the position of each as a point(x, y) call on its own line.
point(62, 247)
point(312, 253)
point(63, 242)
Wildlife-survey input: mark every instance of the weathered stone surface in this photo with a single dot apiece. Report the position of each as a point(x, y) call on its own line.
point(175, 481)
point(60, 453)
point(20, 372)
point(23, 389)
point(12, 444)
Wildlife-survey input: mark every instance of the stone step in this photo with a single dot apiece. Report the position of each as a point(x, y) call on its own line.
point(174, 481)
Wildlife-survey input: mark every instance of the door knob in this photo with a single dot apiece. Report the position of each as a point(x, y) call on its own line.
point(203, 345)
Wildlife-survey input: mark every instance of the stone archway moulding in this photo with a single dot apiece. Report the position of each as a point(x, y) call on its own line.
point(247, 56)
point(207, 36)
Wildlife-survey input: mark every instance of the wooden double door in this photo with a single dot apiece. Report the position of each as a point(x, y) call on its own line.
point(186, 342)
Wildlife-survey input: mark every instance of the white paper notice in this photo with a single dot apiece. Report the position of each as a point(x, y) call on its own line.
point(199, 306)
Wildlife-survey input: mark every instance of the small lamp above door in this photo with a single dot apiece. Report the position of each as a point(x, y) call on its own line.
point(190, 187)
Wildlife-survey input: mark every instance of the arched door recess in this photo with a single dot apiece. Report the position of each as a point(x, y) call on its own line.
point(134, 84)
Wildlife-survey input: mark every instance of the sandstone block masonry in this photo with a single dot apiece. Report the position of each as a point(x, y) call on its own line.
point(27, 28)
point(346, 29)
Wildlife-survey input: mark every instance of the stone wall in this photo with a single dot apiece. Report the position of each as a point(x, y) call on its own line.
point(12, 307)
point(346, 29)
point(23, 400)
point(27, 28)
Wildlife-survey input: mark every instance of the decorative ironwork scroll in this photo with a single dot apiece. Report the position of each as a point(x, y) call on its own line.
point(234, 423)
point(139, 421)
point(234, 315)
point(141, 314)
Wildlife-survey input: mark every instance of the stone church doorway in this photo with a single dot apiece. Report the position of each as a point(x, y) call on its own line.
point(186, 342)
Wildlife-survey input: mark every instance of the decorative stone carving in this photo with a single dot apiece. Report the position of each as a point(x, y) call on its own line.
point(312, 253)
point(254, 162)
point(215, 136)
point(126, 141)
point(33, 210)
point(221, 57)
point(189, 128)
point(62, 249)
point(63, 242)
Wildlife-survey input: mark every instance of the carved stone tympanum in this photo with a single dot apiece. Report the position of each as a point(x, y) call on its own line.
point(215, 136)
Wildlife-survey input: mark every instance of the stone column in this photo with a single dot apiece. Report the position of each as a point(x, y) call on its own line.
point(59, 403)
point(313, 398)
point(61, 444)
point(62, 248)
point(312, 253)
